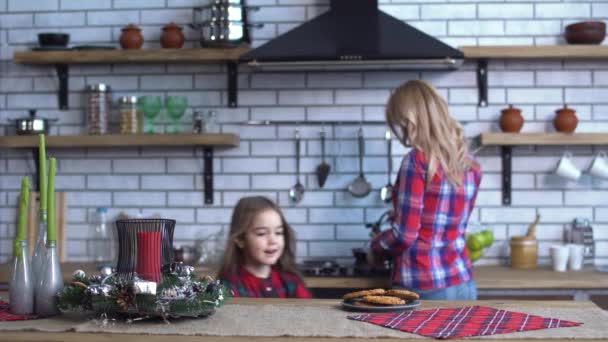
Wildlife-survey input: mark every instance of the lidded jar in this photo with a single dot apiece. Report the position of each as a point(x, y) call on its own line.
point(130, 116)
point(131, 37)
point(511, 120)
point(98, 108)
point(565, 120)
point(172, 37)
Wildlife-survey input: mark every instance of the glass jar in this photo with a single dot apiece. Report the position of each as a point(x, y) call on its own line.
point(98, 108)
point(130, 116)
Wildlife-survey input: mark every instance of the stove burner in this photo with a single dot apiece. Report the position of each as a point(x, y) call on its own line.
point(328, 268)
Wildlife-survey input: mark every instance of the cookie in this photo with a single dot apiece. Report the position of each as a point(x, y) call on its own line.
point(364, 304)
point(357, 294)
point(383, 300)
point(403, 294)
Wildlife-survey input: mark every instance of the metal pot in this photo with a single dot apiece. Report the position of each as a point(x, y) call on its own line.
point(223, 13)
point(32, 124)
point(223, 23)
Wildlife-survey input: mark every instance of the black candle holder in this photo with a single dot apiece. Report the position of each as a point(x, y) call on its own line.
point(128, 231)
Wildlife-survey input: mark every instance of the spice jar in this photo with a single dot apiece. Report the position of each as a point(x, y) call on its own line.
point(98, 108)
point(524, 252)
point(130, 117)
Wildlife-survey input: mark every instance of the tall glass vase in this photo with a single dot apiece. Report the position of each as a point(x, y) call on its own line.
point(49, 283)
point(21, 286)
point(39, 256)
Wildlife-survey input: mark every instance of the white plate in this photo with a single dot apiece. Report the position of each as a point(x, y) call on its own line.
point(408, 306)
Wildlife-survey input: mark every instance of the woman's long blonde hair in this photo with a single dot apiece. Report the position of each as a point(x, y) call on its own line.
point(243, 216)
point(419, 117)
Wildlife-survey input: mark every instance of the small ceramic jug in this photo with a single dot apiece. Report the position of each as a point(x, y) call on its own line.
point(511, 120)
point(172, 37)
point(565, 120)
point(131, 37)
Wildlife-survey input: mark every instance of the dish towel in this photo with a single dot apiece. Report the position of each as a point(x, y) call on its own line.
point(445, 323)
point(6, 315)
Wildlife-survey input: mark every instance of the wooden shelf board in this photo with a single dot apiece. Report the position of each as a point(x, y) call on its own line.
point(129, 56)
point(536, 52)
point(519, 139)
point(117, 140)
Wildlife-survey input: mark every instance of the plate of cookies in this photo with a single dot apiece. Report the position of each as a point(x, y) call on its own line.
point(380, 300)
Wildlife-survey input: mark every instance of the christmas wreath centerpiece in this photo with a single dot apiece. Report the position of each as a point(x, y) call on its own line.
point(146, 283)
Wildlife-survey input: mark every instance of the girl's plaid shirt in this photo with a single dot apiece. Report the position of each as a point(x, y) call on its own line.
point(278, 285)
point(427, 239)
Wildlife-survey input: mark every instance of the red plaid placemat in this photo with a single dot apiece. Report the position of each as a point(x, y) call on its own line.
point(6, 315)
point(462, 322)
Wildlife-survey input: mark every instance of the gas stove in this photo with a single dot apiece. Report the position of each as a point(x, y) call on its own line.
point(331, 268)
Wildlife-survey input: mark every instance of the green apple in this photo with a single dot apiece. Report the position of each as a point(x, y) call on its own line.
point(475, 242)
point(475, 255)
point(489, 238)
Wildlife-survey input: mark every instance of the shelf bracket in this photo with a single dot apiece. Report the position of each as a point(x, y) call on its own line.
point(208, 174)
point(506, 175)
point(62, 74)
point(482, 82)
point(36, 180)
point(233, 80)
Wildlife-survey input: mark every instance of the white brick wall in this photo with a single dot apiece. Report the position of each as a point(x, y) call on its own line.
point(329, 221)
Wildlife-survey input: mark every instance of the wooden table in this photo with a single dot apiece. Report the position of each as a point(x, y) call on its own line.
point(113, 337)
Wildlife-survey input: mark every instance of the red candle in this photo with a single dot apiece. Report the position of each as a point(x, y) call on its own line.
point(148, 255)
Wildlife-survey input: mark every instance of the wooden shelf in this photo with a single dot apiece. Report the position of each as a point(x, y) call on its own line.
point(520, 139)
point(129, 56)
point(118, 140)
point(62, 59)
point(536, 52)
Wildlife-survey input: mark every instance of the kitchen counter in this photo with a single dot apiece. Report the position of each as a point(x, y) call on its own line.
point(486, 277)
point(234, 322)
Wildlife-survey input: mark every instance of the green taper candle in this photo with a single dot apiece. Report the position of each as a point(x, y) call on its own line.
point(23, 202)
point(42, 173)
point(51, 232)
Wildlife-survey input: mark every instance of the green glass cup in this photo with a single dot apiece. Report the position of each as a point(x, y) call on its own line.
point(150, 107)
point(176, 108)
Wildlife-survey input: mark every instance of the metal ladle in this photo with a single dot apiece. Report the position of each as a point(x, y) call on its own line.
point(360, 187)
point(386, 193)
point(296, 193)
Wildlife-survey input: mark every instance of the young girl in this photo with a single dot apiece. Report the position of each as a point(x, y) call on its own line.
point(260, 255)
point(433, 198)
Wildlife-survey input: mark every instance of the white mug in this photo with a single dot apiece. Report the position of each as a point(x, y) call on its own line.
point(566, 168)
point(576, 256)
point(559, 256)
point(599, 166)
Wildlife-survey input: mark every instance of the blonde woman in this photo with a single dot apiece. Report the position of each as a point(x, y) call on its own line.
point(433, 197)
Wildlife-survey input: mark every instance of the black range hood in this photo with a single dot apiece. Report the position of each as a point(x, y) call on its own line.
point(354, 34)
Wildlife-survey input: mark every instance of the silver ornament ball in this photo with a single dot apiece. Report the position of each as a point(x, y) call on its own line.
point(78, 274)
point(105, 271)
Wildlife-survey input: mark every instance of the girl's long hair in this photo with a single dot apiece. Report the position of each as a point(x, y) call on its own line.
point(243, 216)
point(419, 117)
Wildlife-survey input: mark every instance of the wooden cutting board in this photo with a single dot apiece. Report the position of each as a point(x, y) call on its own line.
point(60, 222)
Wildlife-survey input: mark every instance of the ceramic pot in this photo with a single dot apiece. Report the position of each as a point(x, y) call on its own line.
point(565, 120)
point(131, 37)
point(511, 120)
point(172, 37)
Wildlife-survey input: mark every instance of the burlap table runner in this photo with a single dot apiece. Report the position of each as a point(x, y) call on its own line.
point(307, 321)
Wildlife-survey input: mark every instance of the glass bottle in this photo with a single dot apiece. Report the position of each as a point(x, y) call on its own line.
point(21, 286)
point(98, 108)
point(40, 249)
point(103, 246)
point(51, 281)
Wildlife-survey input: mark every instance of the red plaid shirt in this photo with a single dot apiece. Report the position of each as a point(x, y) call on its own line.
point(277, 285)
point(427, 238)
